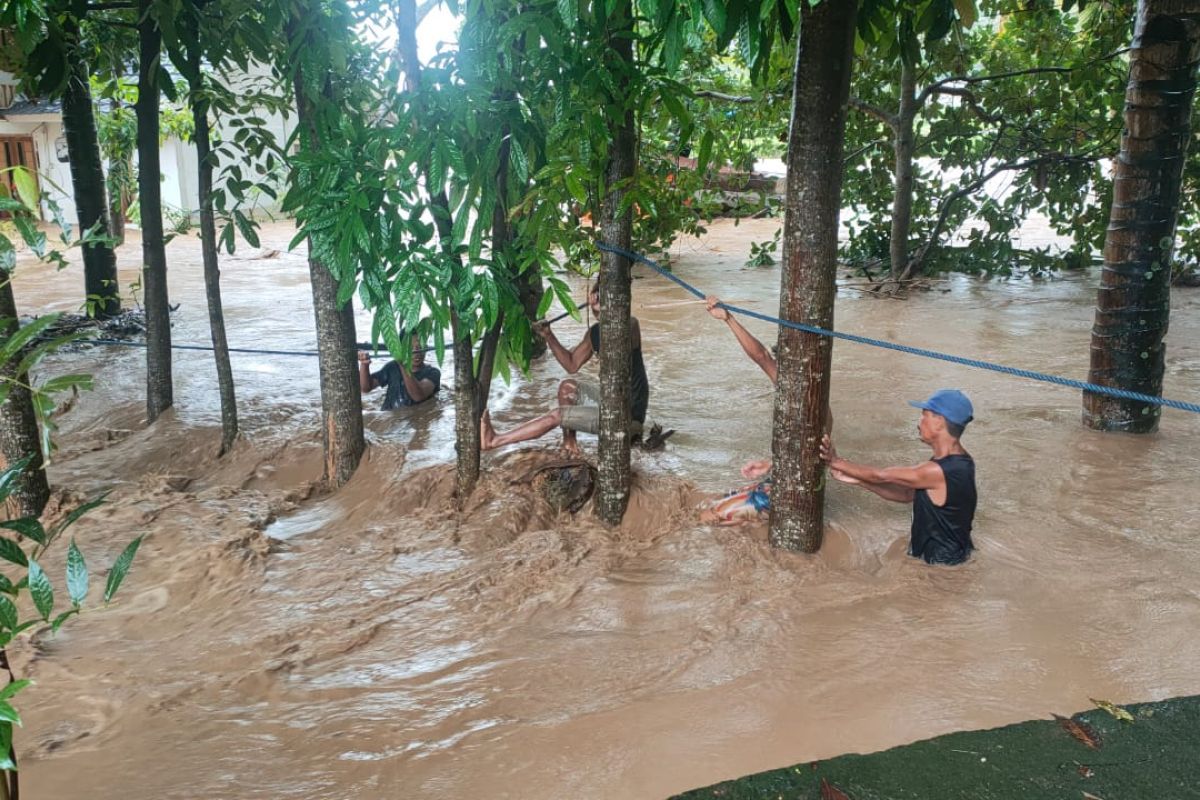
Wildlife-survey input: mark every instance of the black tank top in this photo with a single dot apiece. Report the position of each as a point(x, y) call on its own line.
point(942, 534)
point(639, 391)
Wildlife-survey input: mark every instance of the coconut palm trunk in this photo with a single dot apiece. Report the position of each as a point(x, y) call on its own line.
point(1134, 300)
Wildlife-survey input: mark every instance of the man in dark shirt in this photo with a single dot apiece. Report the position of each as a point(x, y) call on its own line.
point(404, 387)
point(578, 400)
point(941, 490)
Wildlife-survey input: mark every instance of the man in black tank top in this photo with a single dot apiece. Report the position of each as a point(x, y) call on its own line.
point(941, 490)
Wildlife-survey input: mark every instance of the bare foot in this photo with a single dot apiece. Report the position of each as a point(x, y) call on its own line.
point(571, 449)
point(487, 434)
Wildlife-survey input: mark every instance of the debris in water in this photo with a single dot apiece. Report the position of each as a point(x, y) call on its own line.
point(1080, 731)
point(656, 439)
point(1113, 709)
point(566, 485)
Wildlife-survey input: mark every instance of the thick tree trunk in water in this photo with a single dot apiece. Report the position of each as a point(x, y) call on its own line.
point(87, 184)
point(1133, 305)
point(118, 200)
point(532, 289)
point(616, 228)
point(813, 201)
point(212, 277)
point(19, 434)
point(341, 402)
point(902, 201)
point(159, 388)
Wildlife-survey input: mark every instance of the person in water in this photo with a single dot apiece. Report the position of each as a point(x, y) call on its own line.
point(749, 503)
point(941, 490)
point(578, 406)
point(405, 387)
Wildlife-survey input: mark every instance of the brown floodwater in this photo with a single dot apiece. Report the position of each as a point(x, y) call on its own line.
point(271, 642)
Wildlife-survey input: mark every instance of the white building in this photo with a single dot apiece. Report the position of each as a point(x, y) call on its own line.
point(31, 135)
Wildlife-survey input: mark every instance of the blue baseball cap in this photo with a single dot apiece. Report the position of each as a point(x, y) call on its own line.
point(949, 403)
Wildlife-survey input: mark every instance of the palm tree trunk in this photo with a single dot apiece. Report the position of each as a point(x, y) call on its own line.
point(212, 275)
point(159, 388)
point(101, 289)
point(1133, 304)
point(19, 433)
point(813, 201)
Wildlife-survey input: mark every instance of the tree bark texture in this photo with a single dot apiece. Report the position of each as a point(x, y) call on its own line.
point(1133, 303)
point(342, 437)
point(159, 388)
point(19, 433)
point(100, 280)
point(212, 275)
point(902, 201)
point(616, 228)
point(812, 204)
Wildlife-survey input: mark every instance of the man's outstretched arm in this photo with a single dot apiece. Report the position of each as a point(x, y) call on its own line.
point(756, 350)
point(898, 484)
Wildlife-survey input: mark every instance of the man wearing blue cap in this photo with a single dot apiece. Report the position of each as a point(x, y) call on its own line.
point(941, 490)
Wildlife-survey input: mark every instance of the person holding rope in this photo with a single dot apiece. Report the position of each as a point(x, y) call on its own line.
point(578, 406)
point(405, 387)
point(940, 490)
point(749, 503)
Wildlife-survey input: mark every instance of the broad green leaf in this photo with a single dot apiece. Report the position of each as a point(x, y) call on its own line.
point(8, 614)
point(119, 569)
point(575, 187)
point(77, 575)
point(78, 512)
point(706, 146)
point(27, 189)
point(10, 475)
point(11, 552)
point(6, 585)
point(41, 590)
point(11, 345)
point(8, 713)
point(29, 527)
point(63, 617)
point(14, 687)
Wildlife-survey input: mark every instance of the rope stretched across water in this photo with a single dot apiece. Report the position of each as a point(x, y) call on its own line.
point(1110, 391)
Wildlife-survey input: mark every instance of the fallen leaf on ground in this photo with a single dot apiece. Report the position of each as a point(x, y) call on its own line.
point(831, 792)
point(1113, 709)
point(1080, 731)
point(1090, 796)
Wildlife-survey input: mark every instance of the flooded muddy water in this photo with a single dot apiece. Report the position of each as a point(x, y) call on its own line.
point(272, 642)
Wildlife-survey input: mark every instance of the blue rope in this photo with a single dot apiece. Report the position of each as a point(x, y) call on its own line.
point(120, 343)
point(1110, 391)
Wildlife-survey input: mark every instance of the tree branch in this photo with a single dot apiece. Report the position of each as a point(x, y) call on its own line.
point(727, 98)
point(111, 7)
point(972, 102)
point(949, 200)
point(934, 87)
point(890, 120)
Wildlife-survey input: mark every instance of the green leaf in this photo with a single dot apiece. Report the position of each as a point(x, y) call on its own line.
point(77, 575)
point(10, 476)
point(247, 228)
point(41, 590)
point(6, 585)
point(119, 569)
point(63, 617)
point(8, 713)
point(8, 614)
point(6, 736)
point(14, 687)
point(706, 146)
point(12, 345)
point(29, 527)
point(575, 187)
point(27, 189)
point(78, 512)
point(10, 551)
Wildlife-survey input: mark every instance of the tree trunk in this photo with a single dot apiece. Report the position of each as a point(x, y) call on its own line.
point(19, 434)
point(101, 288)
point(616, 227)
point(812, 204)
point(159, 389)
point(1133, 304)
point(212, 275)
point(902, 201)
point(118, 202)
point(531, 289)
point(341, 401)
